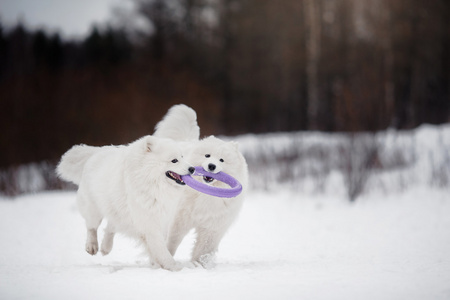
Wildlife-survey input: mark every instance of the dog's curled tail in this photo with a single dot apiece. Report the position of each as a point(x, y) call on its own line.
point(179, 124)
point(70, 168)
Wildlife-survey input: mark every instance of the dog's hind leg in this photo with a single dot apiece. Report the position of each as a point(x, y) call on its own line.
point(93, 219)
point(92, 225)
point(108, 239)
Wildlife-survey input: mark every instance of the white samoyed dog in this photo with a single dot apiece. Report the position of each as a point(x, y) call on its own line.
point(210, 216)
point(135, 187)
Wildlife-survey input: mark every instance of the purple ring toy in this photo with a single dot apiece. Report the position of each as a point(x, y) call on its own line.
point(236, 187)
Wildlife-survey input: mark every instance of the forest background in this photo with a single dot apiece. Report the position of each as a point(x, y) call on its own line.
point(245, 66)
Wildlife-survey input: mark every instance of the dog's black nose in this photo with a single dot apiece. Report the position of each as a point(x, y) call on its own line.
point(211, 167)
point(191, 170)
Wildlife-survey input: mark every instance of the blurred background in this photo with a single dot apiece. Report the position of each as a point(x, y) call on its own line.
point(105, 72)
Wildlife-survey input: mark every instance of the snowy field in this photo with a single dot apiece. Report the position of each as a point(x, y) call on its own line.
point(298, 236)
point(284, 246)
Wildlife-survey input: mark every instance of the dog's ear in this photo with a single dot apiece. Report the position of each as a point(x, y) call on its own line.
point(150, 142)
point(235, 145)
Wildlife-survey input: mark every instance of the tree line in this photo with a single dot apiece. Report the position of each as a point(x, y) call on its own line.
point(101, 90)
point(333, 65)
point(244, 65)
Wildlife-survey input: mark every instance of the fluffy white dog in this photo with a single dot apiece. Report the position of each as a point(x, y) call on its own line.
point(135, 187)
point(210, 216)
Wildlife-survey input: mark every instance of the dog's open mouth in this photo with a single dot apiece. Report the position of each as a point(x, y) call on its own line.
point(208, 179)
point(175, 177)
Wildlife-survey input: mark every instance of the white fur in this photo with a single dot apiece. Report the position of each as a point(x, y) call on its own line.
point(128, 186)
point(210, 216)
point(179, 124)
point(71, 166)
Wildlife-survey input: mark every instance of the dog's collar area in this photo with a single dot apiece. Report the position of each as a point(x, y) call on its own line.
point(175, 177)
point(234, 190)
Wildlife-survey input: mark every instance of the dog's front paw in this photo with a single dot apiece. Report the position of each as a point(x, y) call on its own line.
point(92, 248)
point(107, 245)
point(174, 267)
point(105, 251)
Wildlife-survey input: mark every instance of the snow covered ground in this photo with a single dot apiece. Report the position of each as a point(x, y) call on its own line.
point(285, 245)
point(298, 236)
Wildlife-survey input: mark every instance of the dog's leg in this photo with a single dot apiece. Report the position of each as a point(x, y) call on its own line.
point(91, 242)
point(93, 219)
point(177, 233)
point(158, 251)
point(206, 246)
point(108, 239)
point(91, 239)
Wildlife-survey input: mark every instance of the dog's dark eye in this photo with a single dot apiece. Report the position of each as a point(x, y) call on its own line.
point(207, 155)
point(221, 160)
point(174, 160)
